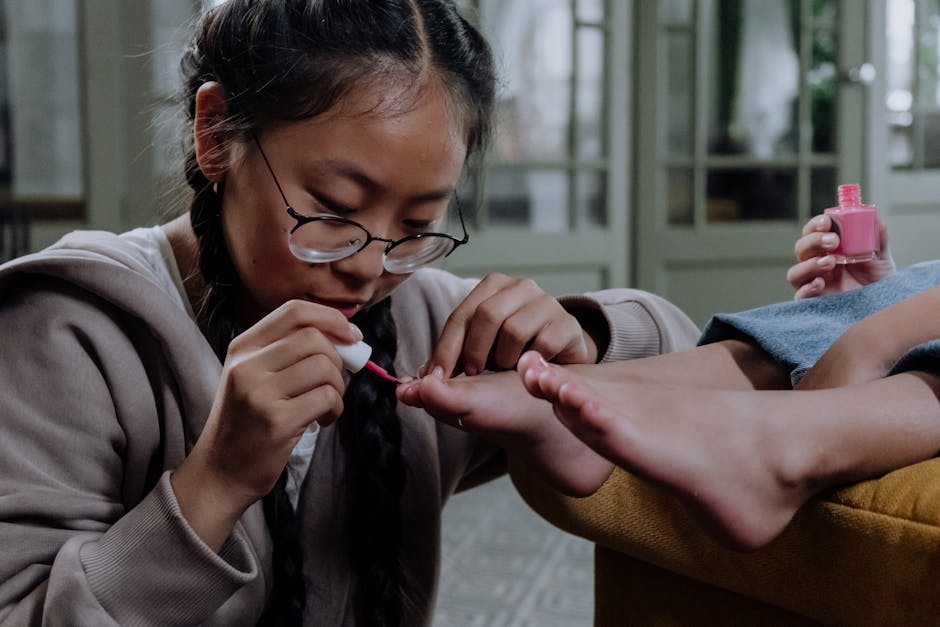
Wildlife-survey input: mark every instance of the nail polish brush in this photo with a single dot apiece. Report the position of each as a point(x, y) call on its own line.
point(356, 357)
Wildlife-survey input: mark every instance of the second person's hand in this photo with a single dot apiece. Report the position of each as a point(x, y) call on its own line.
point(816, 271)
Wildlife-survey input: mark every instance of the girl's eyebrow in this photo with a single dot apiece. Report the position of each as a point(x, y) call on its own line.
point(354, 174)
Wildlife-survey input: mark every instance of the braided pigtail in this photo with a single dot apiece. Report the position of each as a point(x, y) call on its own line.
point(286, 603)
point(371, 436)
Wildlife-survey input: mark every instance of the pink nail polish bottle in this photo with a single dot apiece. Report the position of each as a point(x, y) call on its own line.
point(856, 224)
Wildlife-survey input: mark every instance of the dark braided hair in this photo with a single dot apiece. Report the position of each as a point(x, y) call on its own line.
point(283, 60)
point(370, 433)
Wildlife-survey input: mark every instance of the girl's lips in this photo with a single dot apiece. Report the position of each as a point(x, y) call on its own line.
point(348, 309)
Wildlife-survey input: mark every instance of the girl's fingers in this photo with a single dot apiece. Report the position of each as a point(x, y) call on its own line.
point(294, 315)
point(450, 345)
point(506, 324)
point(560, 339)
point(813, 288)
point(804, 272)
point(821, 222)
point(307, 374)
point(297, 346)
point(815, 245)
point(322, 404)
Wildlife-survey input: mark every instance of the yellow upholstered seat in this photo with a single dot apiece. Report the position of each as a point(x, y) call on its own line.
point(866, 554)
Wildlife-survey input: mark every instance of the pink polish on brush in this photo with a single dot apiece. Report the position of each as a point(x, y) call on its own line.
point(356, 357)
point(856, 224)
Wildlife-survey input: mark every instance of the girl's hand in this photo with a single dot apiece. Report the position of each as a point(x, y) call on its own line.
point(502, 318)
point(816, 271)
point(279, 376)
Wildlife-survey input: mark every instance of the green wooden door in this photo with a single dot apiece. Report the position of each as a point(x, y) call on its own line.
point(745, 128)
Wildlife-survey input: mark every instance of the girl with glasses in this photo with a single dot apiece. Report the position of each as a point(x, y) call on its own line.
point(180, 442)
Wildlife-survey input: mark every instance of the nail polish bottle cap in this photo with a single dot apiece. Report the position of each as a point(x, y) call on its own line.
point(355, 355)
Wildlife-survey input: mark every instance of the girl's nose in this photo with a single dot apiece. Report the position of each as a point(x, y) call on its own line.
point(364, 265)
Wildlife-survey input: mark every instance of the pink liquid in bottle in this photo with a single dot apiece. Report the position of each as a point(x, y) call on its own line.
point(856, 224)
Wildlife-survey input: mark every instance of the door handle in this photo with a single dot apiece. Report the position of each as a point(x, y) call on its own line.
point(862, 74)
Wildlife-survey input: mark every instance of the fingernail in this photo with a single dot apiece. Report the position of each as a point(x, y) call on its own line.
point(819, 222)
point(825, 261)
point(829, 240)
point(357, 333)
point(542, 361)
point(471, 370)
point(438, 372)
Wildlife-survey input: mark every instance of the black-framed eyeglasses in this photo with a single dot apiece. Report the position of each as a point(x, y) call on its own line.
point(324, 238)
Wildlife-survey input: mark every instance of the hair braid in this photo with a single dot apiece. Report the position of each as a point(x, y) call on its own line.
point(370, 433)
point(288, 597)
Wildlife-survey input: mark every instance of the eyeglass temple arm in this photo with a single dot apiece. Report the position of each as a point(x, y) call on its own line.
point(270, 169)
point(466, 234)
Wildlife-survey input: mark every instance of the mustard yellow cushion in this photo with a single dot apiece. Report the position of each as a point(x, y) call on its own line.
point(866, 554)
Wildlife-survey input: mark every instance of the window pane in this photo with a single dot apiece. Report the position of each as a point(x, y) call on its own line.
point(680, 96)
point(679, 193)
point(751, 194)
point(677, 12)
point(757, 76)
point(533, 198)
point(532, 41)
point(170, 21)
point(823, 190)
point(592, 198)
point(928, 88)
point(590, 93)
point(899, 82)
point(904, 121)
point(822, 81)
point(40, 121)
point(590, 10)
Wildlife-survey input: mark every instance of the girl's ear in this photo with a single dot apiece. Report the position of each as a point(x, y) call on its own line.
point(208, 140)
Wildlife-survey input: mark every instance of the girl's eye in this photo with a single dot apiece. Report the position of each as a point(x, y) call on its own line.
point(422, 226)
point(325, 205)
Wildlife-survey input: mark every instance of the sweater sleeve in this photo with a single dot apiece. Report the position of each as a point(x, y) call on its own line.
point(641, 324)
point(87, 540)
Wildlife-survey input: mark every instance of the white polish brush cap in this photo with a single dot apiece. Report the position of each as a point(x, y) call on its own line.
point(355, 355)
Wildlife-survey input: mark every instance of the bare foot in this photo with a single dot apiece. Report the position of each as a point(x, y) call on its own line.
point(722, 452)
point(497, 407)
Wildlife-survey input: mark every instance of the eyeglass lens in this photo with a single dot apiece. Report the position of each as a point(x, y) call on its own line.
point(323, 241)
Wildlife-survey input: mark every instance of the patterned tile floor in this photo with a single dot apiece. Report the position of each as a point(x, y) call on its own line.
point(504, 566)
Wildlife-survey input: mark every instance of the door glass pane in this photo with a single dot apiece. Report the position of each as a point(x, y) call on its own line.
point(679, 197)
point(536, 197)
point(912, 84)
point(899, 82)
point(757, 78)
point(40, 153)
point(590, 10)
point(823, 188)
point(590, 93)
point(532, 41)
point(170, 21)
point(751, 194)
point(677, 12)
point(592, 198)
point(680, 94)
point(822, 82)
point(551, 113)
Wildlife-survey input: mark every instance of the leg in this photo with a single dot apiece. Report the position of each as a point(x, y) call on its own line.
point(731, 364)
point(744, 462)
